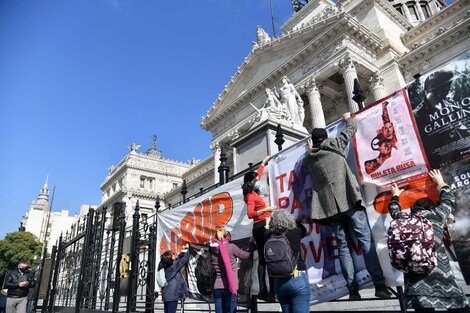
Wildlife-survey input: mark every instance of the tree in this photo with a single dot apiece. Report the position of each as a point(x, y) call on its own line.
point(18, 246)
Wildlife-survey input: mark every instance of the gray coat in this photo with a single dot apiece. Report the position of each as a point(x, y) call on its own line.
point(335, 188)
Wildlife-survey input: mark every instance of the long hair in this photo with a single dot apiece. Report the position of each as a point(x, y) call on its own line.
point(281, 221)
point(222, 228)
point(248, 178)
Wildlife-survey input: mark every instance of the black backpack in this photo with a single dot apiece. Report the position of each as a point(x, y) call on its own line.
point(279, 257)
point(205, 274)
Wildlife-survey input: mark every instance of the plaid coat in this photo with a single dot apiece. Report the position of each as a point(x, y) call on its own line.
point(335, 188)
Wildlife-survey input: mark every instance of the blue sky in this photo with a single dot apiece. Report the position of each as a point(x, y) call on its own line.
point(81, 80)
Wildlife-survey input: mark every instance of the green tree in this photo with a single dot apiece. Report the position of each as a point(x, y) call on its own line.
point(18, 246)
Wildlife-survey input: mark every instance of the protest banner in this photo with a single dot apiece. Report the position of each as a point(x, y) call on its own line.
point(441, 107)
point(386, 144)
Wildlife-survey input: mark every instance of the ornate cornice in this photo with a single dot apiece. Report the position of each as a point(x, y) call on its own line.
point(418, 60)
point(459, 9)
point(359, 7)
point(342, 25)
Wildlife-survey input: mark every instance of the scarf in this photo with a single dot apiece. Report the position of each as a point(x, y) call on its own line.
point(227, 265)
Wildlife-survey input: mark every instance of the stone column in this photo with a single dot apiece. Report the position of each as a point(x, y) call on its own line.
point(407, 13)
point(316, 109)
point(349, 74)
point(215, 147)
point(377, 87)
point(420, 11)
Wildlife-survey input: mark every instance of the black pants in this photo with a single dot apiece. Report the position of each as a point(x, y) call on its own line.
point(259, 234)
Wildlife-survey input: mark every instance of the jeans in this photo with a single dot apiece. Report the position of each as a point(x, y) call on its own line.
point(293, 293)
point(170, 306)
point(358, 221)
point(224, 301)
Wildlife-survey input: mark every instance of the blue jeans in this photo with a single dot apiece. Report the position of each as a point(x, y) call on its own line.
point(224, 301)
point(293, 293)
point(170, 306)
point(358, 221)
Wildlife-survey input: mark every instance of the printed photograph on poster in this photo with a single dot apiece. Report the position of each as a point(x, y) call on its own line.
point(457, 175)
point(441, 106)
point(386, 145)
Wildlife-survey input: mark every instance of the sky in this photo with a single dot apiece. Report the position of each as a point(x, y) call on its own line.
point(82, 80)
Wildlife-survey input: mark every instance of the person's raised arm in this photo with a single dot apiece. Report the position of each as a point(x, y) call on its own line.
point(446, 197)
point(394, 207)
point(351, 127)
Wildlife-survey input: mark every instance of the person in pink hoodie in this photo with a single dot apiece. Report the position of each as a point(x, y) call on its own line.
point(224, 256)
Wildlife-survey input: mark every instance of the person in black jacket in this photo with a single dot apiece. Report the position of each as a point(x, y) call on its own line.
point(176, 288)
point(18, 282)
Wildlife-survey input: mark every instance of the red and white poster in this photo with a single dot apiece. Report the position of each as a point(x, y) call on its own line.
point(386, 144)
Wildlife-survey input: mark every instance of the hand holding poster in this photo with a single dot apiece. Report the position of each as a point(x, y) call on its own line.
point(386, 145)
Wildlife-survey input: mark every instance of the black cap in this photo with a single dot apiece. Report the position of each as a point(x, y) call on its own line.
point(250, 176)
point(318, 135)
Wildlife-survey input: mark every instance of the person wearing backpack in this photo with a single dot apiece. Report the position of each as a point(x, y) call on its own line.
point(337, 202)
point(437, 288)
point(285, 264)
point(224, 256)
point(259, 212)
point(176, 288)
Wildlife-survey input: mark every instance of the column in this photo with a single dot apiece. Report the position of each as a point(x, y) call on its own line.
point(377, 87)
point(215, 147)
point(407, 13)
point(349, 74)
point(420, 11)
point(316, 109)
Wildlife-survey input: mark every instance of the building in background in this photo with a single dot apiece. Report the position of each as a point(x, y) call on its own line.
point(46, 224)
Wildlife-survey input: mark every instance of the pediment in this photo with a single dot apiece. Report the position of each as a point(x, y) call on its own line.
point(262, 61)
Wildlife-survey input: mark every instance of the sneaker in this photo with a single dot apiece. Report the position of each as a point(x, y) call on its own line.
point(381, 291)
point(354, 295)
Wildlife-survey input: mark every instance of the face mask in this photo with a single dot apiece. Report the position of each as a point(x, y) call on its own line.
point(257, 185)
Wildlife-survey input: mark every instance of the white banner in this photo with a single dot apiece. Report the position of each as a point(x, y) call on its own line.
point(386, 143)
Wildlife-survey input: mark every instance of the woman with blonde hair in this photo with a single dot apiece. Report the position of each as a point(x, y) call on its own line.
point(224, 256)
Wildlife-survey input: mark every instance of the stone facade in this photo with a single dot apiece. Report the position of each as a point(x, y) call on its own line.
point(324, 48)
point(141, 177)
point(45, 224)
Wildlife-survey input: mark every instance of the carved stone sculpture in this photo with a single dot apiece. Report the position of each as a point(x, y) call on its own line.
point(291, 99)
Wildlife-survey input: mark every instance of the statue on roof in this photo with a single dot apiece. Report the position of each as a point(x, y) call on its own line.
point(262, 36)
point(297, 5)
point(272, 109)
point(153, 149)
point(133, 147)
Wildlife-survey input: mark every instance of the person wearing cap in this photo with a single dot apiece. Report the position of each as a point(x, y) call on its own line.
point(337, 201)
point(18, 282)
point(260, 213)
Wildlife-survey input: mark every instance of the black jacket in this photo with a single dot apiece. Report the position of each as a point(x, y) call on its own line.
point(13, 279)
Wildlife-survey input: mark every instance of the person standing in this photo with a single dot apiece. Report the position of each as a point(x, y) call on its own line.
point(224, 256)
point(438, 288)
point(337, 201)
point(176, 288)
point(18, 282)
point(293, 292)
point(259, 212)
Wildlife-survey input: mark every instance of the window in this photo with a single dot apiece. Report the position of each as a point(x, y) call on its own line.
point(413, 13)
point(142, 181)
point(425, 9)
point(143, 218)
point(399, 9)
point(175, 185)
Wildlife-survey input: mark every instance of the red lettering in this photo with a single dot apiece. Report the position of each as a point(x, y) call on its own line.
point(316, 253)
point(291, 180)
point(187, 228)
point(221, 210)
point(296, 204)
point(280, 178)
point(283, 202)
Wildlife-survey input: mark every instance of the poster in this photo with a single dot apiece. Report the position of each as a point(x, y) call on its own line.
point(441, 106)
point(386, 144)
